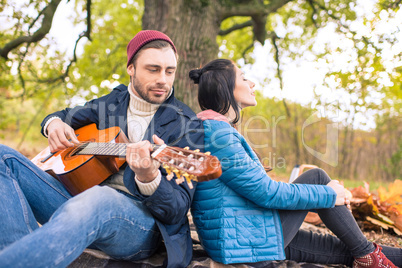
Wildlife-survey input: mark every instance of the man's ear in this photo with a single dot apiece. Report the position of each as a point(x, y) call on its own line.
point(130, 70)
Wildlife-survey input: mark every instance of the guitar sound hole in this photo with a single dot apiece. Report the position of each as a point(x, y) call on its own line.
point(75, 151)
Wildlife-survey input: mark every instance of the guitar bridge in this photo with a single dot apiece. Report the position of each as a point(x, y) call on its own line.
point(47, 158)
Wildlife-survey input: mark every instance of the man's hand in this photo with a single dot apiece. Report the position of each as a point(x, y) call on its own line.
point(341, 197)
point(60, 136)
point(139, 159)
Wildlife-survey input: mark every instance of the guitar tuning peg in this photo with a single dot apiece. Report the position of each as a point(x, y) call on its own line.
point(180, 180)
point(188, 179)
point(169, 176)
point(186, 148)
point(190, 184)
point(193, 178)
point(196, 150)
point(168, 171)
point(208, 153)
point(177, 172)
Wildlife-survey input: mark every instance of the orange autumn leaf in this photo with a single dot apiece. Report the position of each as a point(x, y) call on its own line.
point(397, 219)
point(360, 194)
point(393, 195)
point(372, 202)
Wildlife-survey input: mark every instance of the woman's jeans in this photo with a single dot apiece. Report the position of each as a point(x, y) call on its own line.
point(100, 217)
point(311, 247)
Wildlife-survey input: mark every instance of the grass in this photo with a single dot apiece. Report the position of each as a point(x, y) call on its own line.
point(283, 175)
point(374, 185)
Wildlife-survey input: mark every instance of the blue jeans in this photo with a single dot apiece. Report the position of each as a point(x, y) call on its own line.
point(307, 246)
point(100, 218)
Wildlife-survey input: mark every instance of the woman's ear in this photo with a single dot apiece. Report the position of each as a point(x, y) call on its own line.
point(130, 70)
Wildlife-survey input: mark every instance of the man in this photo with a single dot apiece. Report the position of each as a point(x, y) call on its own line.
point(135, 209)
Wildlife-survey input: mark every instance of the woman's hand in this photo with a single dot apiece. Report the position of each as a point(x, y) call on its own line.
point(139, 159)
point(341, 197)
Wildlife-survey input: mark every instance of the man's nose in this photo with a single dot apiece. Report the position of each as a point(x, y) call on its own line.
point(161, 78)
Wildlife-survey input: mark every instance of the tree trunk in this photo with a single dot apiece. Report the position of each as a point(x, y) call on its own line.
point(193, 35)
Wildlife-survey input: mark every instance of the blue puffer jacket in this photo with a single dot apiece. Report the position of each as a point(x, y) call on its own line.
point(236, 215)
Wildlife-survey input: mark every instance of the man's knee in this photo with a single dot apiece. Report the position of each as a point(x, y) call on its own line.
point(91, 202)
point(5, 150)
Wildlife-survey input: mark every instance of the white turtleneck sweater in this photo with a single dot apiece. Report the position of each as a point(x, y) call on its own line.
point(139, 115)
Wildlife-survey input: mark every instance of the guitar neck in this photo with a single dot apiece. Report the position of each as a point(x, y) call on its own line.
point(108, 149)
point(177, 160)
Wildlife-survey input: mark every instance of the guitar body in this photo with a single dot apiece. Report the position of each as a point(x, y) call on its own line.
point(80, 172)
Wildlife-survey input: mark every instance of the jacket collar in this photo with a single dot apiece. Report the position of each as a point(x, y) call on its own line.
point(167, 112)
point(212, 115)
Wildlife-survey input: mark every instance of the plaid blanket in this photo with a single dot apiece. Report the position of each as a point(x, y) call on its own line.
point(94, 258)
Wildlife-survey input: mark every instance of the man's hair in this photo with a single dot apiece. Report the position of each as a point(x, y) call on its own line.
point(216, 83)
point(158, 44)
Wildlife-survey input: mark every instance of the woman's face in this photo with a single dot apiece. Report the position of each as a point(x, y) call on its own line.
point(244, 92)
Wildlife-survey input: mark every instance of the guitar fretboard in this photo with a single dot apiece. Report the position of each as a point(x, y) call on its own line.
point(110, 149)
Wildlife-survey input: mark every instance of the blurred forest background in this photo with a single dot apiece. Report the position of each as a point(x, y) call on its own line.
point(40, 74)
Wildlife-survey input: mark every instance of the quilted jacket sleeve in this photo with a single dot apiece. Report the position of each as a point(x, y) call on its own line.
point(244, 174)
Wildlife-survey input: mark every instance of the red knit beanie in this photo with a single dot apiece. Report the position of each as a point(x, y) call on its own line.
point(141, 39)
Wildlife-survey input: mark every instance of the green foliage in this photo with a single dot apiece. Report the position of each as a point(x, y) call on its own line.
point(371, 155)
point(369, 80)
point(35, 85)
point(103, 63)
point(236, 45)
point(395, 163)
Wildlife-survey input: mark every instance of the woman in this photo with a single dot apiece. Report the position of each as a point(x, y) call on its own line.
point(244, 216)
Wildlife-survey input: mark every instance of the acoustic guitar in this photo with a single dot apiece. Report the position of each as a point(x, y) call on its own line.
point(102, 152)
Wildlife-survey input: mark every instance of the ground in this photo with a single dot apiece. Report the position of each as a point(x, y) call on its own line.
point(92, 258)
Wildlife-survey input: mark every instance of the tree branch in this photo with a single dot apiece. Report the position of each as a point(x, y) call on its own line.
point(259, 31)
point(393, 5)
point(20, 76)
point(66, 73)
point(89, 24)
point(48, 13)
point(247, 9)
point(314, 12)
point(236, 27)
point(61, 77)
point(274, 37)
point(245, 51)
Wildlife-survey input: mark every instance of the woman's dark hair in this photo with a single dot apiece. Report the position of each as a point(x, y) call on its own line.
point(216, 83)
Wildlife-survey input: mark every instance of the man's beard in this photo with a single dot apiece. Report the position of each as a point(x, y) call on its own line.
point(143, 92)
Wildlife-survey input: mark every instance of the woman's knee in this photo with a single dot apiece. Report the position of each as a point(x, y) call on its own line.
point(314, 176)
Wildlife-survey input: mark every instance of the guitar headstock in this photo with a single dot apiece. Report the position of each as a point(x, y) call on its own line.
point(188, 164)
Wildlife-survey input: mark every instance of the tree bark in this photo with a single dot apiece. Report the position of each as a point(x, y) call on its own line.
point(193, 27)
